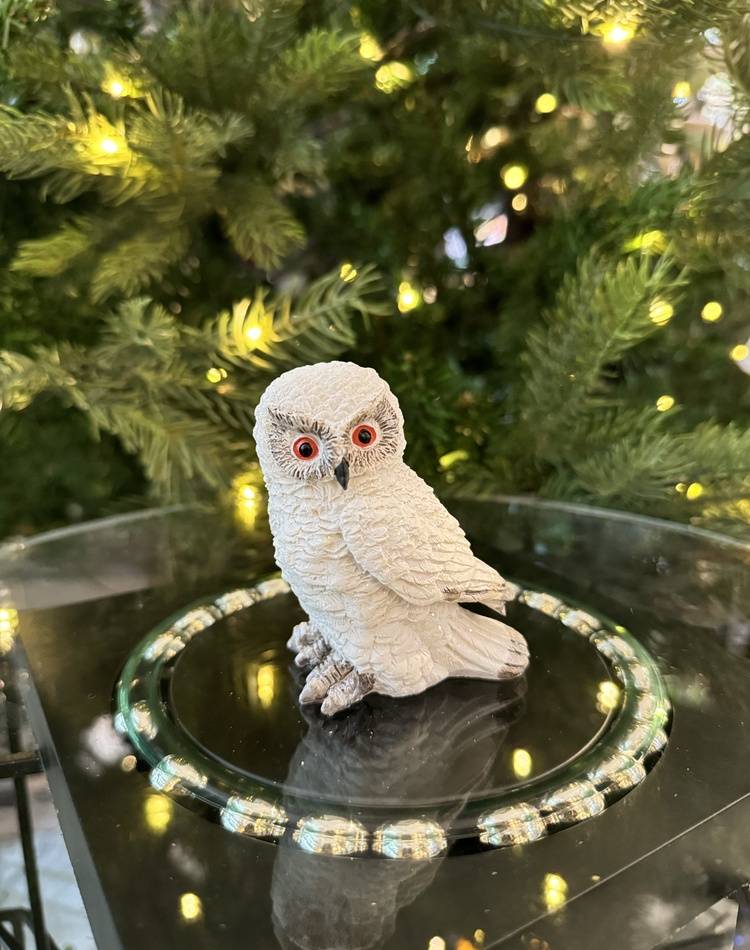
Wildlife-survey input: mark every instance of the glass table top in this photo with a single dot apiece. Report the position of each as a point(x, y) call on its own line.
point(236, 694)
point(154, 873)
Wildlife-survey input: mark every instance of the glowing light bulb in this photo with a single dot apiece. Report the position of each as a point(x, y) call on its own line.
point(191, 907)
point(348, 272)
point(213, 375)
point(108, 145)
point(665, 403)
point(253, 333)
point(519, 202)
point(545, 103)
point(739, 352)
point(616, 35)
point(694, 491)
point(409, 298)
point(522, 763)
point(494, 136)
point(681, 91)
point(712, 311)
point(392, 76)
point(436, 943)
point(660, 311)
point(514, 176)
point(369, 48)
point(650, 242)
point(247, 498)
point(450, 458)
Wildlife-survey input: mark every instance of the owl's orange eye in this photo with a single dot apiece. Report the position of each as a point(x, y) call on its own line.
point(364, 435)
point(305, 448)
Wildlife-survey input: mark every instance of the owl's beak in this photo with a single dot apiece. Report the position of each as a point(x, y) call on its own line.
point(342, 473)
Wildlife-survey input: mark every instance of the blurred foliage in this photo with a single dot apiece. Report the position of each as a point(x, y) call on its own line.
point(550, 194)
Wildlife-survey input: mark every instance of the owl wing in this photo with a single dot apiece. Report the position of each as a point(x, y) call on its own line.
point(405, 538)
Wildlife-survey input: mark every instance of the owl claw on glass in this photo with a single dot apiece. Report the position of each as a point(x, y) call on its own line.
point(375, 560)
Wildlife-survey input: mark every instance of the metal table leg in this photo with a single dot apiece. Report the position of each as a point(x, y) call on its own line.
point(23, 809)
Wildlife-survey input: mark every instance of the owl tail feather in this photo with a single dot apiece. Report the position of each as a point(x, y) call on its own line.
point(483, 647)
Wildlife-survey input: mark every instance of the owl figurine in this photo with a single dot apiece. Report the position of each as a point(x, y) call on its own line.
point(377, 563)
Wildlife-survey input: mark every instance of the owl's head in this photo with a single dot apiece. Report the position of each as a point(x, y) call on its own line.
point(325, 421)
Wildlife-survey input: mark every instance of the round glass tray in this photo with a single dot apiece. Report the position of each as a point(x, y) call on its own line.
point(209, 701)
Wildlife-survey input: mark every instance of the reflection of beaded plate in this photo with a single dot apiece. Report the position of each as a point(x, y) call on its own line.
point(615, 762)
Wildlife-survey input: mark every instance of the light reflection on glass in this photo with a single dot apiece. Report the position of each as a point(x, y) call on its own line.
point(607, 696)
point(191, 907)
point(522, 763)
point(265, 684)
point(8, 627)
point(554, 891)
point(157, 812)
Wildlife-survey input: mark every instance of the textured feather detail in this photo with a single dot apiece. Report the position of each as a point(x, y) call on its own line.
point(408, 541)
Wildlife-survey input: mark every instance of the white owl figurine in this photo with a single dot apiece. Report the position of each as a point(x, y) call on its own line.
point(377, 563)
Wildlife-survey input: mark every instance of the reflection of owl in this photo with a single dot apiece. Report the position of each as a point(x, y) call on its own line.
point(376, 561)
point(439, 746)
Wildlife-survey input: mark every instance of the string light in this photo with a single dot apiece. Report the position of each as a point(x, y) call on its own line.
point(494, 136)
point(450, 458)
point(108, 145)
point(519, 202)
point(650, 242)
point(369, 48)
point(348, 272)
point(216, 374)
point(554, 891)
point(253, 333)
point(117, 85)
point(546, 103)
point(660, 311)
point(514, 176)
point(409, 298)
point(665, 403)
point(247, 498)
point(616, 35)
point(114, 88)
point(393, 76)
point(712, 311)
point(191, 907)
point(739, 352)
point(522, 763)
point(682, 91)
point(694, 491)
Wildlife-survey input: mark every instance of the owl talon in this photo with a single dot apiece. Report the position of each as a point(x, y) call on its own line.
point(320, 679)
point(303, 634)
point(312, 654)
point(348, 691)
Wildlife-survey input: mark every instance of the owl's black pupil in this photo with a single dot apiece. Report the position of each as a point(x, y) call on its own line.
point(365, 436)
point(305, 450)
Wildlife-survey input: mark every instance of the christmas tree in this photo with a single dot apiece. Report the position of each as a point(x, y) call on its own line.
point(532, 218)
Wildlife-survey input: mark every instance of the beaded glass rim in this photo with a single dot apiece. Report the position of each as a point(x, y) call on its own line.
point(614, 763)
